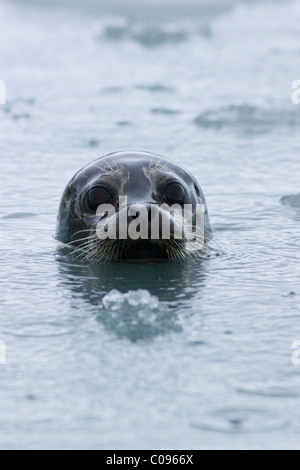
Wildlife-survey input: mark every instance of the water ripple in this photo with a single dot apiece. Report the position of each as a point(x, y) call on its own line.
point(248, 119)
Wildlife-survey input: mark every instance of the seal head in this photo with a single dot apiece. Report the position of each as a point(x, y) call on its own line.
point(131, 206)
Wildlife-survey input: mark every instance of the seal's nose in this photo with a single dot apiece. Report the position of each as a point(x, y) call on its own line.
point(143, 211)
point(139, 221)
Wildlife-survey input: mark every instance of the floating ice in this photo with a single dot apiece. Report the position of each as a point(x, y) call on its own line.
point(114, 300)
point(293, 201)
point(137, 315)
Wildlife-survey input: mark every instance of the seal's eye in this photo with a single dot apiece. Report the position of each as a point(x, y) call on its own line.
point(98, 196)
point(175, 193)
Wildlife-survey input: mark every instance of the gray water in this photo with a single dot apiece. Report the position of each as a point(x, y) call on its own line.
point(169, 355)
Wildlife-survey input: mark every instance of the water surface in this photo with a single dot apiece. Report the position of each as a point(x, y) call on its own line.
point(164, 355)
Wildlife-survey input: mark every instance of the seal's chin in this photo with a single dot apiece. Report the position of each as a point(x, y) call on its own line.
point(144, 250)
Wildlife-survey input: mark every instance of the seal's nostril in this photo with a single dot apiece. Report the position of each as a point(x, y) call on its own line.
point(135, 216)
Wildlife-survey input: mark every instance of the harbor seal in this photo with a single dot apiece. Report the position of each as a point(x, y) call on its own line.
point(134, 205)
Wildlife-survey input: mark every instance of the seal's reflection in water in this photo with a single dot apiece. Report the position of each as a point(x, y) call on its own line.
point(135, 301)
